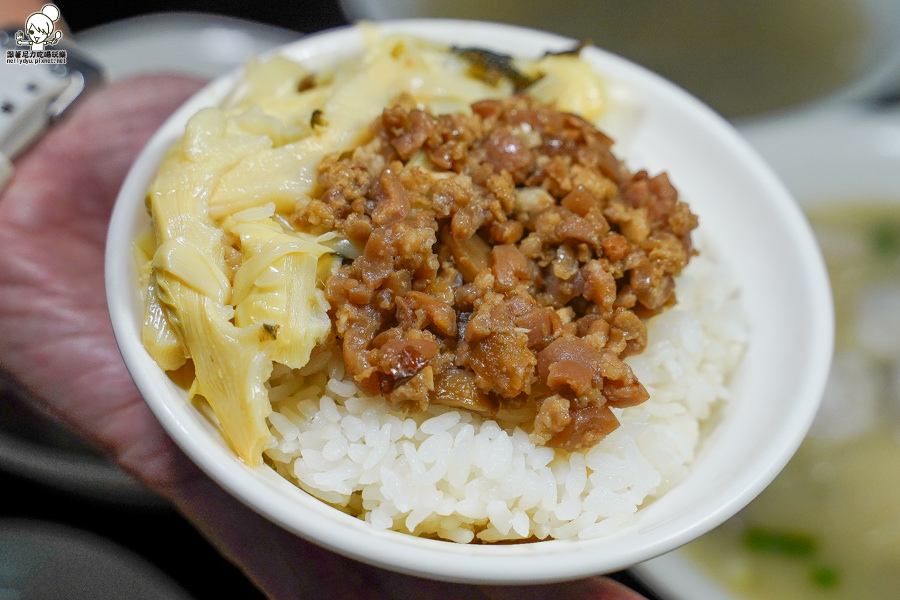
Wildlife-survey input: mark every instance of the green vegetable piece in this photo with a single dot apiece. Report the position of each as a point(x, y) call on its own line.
point(824, 577)
point(784, 543)
point(271, 329)
point(886, 238)
point(317, 119)
point(491, 67)
point(573, 51)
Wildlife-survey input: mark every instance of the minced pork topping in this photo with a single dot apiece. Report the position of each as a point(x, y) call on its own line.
point(502, 261)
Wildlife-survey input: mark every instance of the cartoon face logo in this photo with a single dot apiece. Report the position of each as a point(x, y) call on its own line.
point(40, 29)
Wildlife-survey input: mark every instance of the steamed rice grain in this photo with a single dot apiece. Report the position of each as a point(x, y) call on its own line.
point(456, 476)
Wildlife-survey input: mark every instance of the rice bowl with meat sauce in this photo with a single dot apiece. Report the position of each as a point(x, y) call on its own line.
point(514, 352)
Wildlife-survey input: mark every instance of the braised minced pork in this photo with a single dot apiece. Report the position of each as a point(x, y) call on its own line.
point(506, 261)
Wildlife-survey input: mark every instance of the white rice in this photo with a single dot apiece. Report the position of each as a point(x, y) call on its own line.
point(453, 475)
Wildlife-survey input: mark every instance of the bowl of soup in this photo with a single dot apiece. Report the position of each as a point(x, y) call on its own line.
point(829, 525)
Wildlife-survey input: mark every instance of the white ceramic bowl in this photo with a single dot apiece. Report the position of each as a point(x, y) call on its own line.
point(754, 222)
point(826, 158)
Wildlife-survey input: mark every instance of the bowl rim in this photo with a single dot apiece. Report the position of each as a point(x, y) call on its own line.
point(517, 563)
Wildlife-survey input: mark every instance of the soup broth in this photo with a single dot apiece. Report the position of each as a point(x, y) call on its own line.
point(829, 526)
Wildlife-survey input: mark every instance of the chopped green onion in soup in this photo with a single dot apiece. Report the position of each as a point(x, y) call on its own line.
point(829, 526)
